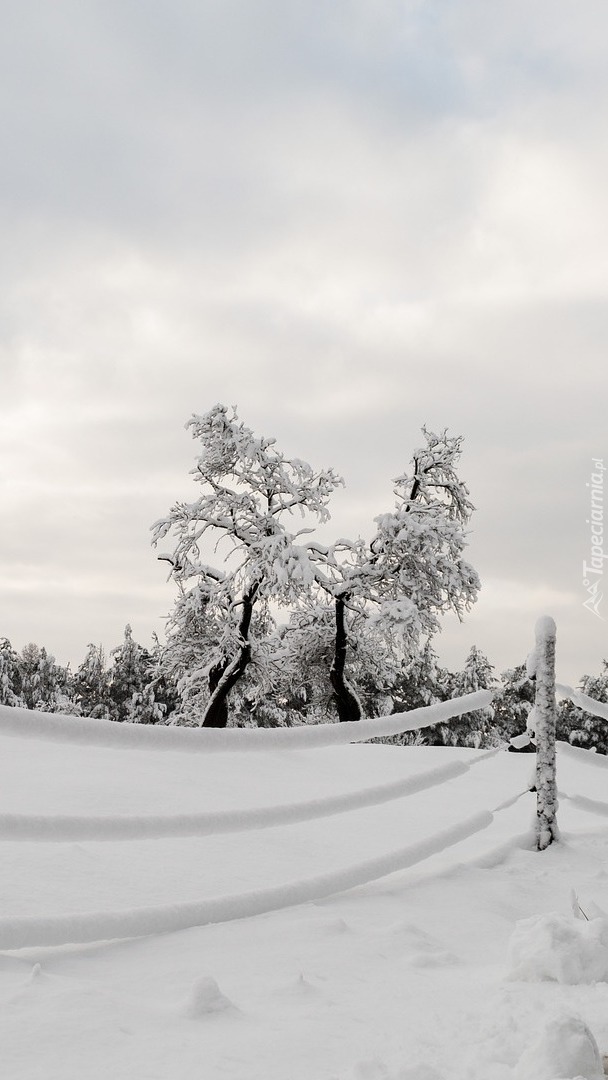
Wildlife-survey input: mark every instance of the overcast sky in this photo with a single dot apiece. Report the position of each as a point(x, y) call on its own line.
point(349, 219)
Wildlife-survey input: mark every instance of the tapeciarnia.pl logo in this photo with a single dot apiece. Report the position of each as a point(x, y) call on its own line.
point(593, 571)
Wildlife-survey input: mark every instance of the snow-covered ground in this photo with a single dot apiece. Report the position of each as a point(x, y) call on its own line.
point(426, 973)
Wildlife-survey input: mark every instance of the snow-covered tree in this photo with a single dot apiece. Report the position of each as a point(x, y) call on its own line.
point(30, 675)
point(10, 675)
point(196, 631)
point(412, 572)
point(91, 684)
point(43, 681)
point(248, 490)
point(128, 678)
point(581, 728)
point(423, 681)
point(512, 703)
point(145, 708)
point(474, 728)
point(160, 696)
point(306, 663)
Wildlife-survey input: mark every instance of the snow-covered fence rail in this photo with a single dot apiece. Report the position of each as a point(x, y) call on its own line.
point(121, 827)
point(583, 701)
point(22, 932)
point(77, 927)
point(37, 725)
point(25, 931)
point(71, 827)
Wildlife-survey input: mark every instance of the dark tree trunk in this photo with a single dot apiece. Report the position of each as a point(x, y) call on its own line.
point(224, 676)
point(219, 718)
point(345, 698)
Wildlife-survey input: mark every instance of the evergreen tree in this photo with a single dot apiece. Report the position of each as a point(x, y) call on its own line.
point(10, 675)
point(92, 684)
point(30, 675)
point(43, 681)
point(581, 728)
point(161, 698)
point(129, 677)
point(513, 701)
point(422, 681)
point(474, 728)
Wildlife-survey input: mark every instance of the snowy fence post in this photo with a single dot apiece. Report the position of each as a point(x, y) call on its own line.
point(545, 718)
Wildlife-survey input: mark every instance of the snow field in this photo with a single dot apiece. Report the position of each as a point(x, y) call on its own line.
point(404, 978)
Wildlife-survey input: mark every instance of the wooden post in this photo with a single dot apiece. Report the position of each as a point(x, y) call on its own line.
point(545, 717)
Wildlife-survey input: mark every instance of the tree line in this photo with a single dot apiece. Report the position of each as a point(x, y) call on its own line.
point(133, 684)
point(129, 685)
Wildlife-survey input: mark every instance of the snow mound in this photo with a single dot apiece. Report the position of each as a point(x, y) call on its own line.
point(564, 1049)
point(205, 997)
point(559, 948)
